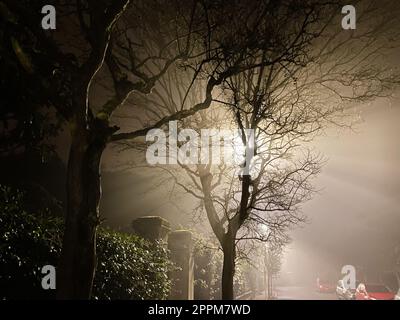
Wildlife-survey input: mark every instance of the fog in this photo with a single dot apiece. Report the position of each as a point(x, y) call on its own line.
point(355, 218)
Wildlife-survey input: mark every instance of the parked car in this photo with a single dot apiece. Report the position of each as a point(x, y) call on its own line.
point(373, 292)
point(325, 286)
point(397, 296)
point(344, 293)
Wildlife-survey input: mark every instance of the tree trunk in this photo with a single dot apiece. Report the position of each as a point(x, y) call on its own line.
point(269, 286)
point(265, 285)
point(78, 258)
point(228, 269)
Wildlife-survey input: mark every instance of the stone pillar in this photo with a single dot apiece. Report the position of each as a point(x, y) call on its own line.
point(182, 276)
point(151, 227)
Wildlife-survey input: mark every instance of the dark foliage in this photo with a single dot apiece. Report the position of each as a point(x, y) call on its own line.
point(128, 266)
point(208, 271)
point(27, 243)
point(26, 121)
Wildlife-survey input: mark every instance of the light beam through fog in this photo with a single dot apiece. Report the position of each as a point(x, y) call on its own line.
point(112, 119)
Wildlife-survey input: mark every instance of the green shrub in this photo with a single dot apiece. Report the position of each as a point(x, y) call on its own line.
point(128, 266)
point(208, 272)
point(208, 264)
point(132, 268)
point(27, 243)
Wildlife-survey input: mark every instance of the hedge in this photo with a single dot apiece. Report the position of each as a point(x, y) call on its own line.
point(128, 266)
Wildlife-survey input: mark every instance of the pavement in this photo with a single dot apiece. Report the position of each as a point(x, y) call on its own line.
point(299, 293)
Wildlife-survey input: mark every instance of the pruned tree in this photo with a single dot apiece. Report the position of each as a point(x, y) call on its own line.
point(105, 54)
point(286, 103)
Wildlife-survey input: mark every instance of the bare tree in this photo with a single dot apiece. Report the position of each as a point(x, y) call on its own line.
point(287, 103)
point(272, 256)
point(105, 52)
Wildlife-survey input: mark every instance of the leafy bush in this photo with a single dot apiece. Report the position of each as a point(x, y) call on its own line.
point(208, 264)
point(128, 266)
point(27, 243)
point(208, 271)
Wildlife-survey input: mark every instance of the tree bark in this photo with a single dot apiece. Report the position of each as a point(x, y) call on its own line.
point(265, 285)
point(228, 268)
point(78, 258)
point(269, 286)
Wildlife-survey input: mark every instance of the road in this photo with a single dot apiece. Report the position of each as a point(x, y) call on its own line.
point(300, 293)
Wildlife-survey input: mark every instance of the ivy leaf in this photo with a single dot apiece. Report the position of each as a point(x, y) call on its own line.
point(23, 58)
